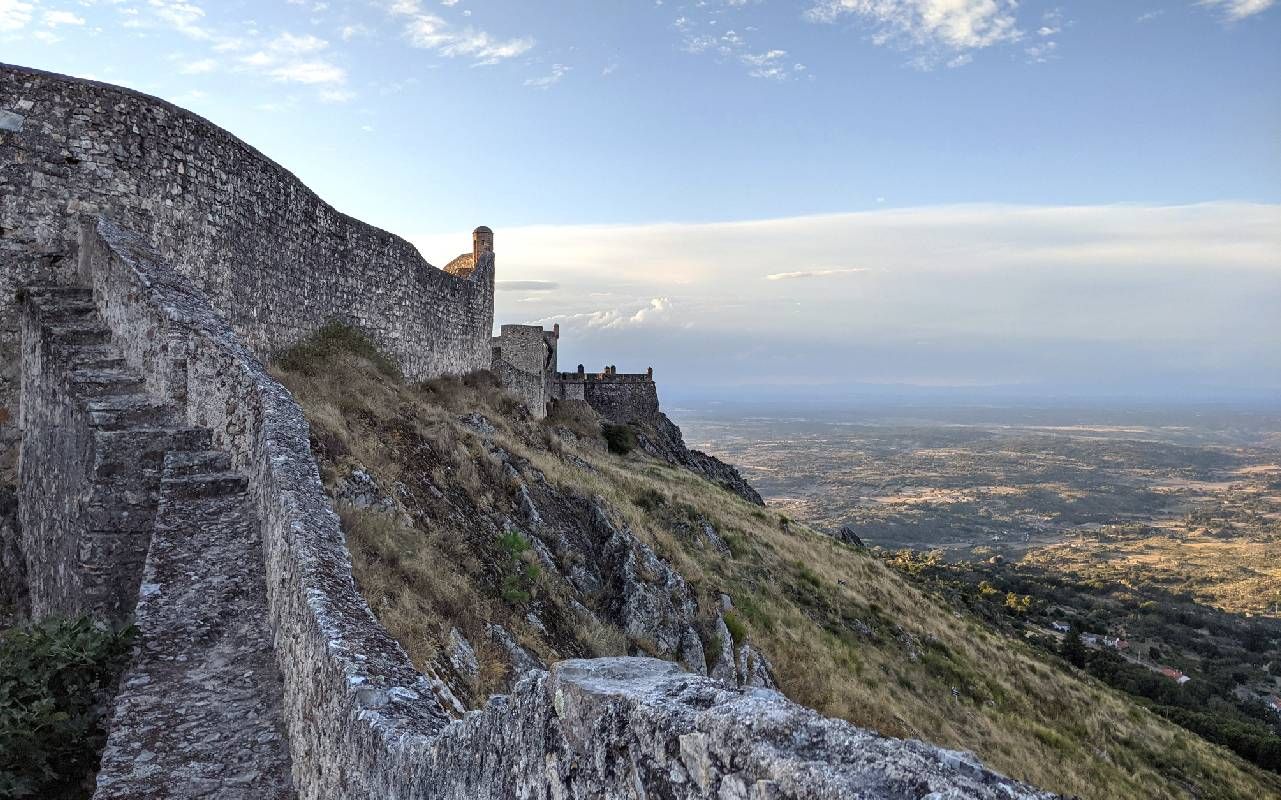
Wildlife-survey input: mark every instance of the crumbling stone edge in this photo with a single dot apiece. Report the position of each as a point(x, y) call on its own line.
point(362, 723)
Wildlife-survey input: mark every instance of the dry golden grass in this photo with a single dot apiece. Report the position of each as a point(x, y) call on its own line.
point(799, 595)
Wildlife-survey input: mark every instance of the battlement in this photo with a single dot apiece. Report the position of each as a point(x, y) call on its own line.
point(607, 375)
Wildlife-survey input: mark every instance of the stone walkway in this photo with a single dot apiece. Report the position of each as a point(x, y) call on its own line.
point(198, 713)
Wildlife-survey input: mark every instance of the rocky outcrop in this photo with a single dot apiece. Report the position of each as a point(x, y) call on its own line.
point(847, 535)
point(632, 728)
point(661, 438)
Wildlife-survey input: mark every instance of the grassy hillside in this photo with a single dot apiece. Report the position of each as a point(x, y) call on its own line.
point(437, 547)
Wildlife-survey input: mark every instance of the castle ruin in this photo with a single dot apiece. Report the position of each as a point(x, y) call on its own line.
point(149, 263)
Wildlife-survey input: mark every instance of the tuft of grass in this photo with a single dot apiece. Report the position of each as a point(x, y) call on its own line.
point(319, 351)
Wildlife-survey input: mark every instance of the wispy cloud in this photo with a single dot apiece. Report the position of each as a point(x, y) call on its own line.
point(432, 32)
point(295, 58)
point(15, 14)
point(1234, 10)
point(654, 311)
point(526, 286)
point(705, 35)
point(945, 31)
point(549, 80)
point(813, 273)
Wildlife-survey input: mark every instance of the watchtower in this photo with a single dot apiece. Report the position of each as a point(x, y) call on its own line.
point(482, 241)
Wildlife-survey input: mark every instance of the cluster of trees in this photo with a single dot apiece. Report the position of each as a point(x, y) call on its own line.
point(1219, 651)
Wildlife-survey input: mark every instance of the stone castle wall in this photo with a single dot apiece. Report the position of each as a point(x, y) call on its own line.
point(524, 357)
point(362, 723)
point(272, 257)
point(619, 398)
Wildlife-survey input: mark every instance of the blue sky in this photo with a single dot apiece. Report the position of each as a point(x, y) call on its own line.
point(1122, 161)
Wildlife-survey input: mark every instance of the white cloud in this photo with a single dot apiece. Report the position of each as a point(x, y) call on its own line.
point(15, 14)
point(949, 26)
point(813, 273)
point(769, 64)
point(652, 312)
point(549, 80)
point(336, 95)
point(294, 58)
point(432, 32)
point(199, 67)
point(182, 16)
point(1235, 10)
point(53, 19)
point(309, 72)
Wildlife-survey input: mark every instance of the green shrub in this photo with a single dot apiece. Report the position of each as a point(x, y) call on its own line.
point(737, 630)
point(311, 355)
point(55, 680)
point(519, 575)
point(620, 438)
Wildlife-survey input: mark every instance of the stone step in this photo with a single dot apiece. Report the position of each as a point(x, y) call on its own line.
point(50, 295)
point(78, 332)
point(94, 356)
point(191, 487)
point(126, 411)
point(196, 462)
point(78, 304)
point(129, 460)
point(105, 382)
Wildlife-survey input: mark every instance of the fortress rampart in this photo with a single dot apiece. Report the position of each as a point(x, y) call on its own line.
point(272, 257)
point(167, 477)
point(357, 720)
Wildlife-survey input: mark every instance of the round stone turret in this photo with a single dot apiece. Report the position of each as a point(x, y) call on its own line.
point(482, 241)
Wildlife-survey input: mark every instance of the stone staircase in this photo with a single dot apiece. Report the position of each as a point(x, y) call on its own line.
point(170, 529)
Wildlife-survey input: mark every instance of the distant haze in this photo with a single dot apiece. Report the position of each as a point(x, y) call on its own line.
point(1127, 299)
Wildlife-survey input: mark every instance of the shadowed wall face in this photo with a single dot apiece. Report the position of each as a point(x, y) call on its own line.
point(274, 258)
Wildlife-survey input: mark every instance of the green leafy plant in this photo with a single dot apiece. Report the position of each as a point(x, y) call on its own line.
point(519, 573)
point(55, 680)
point(620, 438)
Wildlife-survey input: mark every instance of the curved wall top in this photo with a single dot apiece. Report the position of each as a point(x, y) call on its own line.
point(276, 260)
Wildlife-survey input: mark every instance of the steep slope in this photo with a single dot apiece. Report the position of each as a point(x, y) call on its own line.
point(489, 543)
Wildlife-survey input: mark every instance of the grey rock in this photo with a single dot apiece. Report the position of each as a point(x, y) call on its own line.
point(754, 668)
point(461, 656)
point(10, 121)
point(847, 535)
point(722, 668)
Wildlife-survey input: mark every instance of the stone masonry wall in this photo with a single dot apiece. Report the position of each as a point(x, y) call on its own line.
point(620, 400)
point(525, 359)
point(272, 257)
point(362, 723)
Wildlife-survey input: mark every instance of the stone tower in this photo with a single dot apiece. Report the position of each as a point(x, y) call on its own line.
point(482, 241)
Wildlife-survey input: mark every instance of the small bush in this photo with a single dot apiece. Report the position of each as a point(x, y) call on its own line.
point(519, 573)
point(55, 680)
point(620, 438)
point(311, 356)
